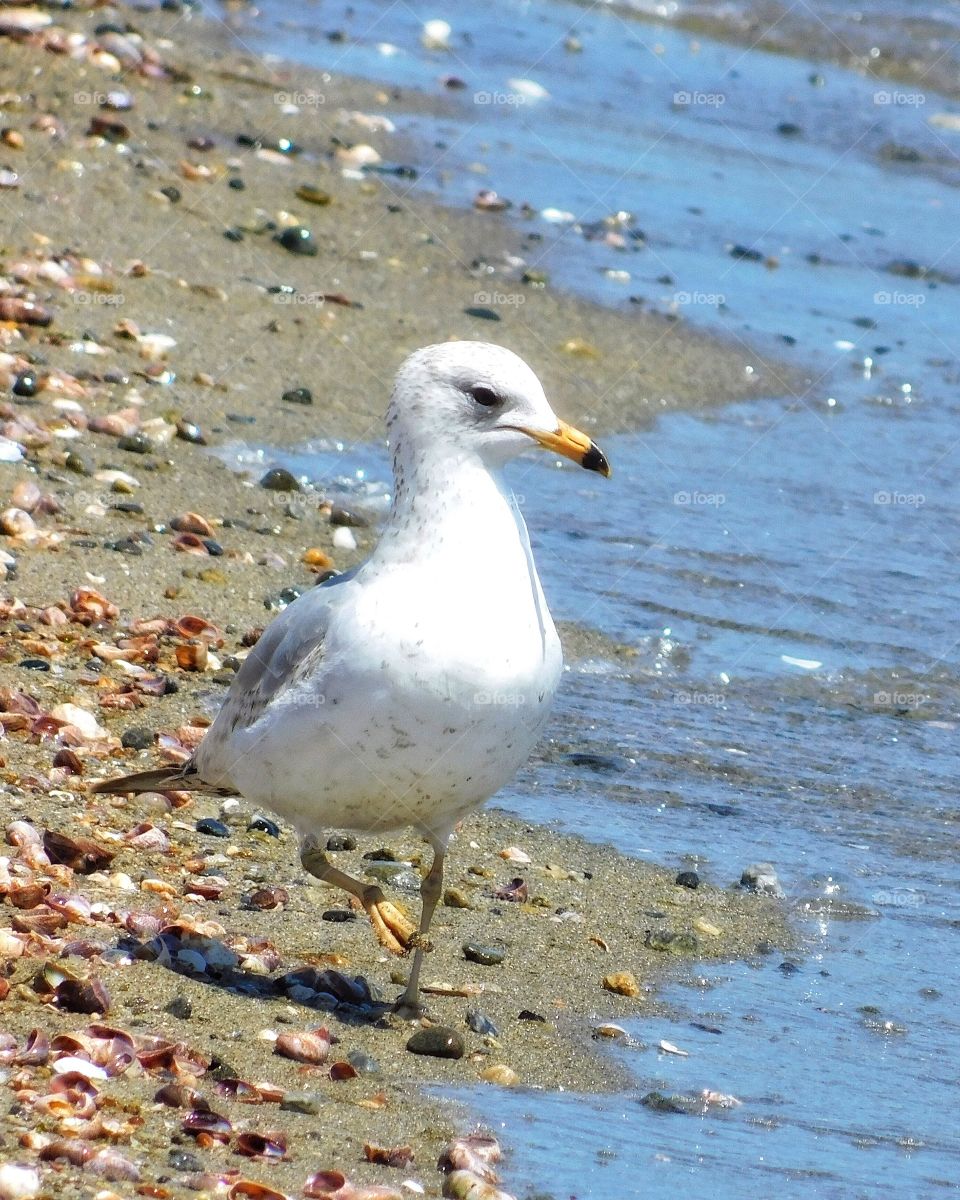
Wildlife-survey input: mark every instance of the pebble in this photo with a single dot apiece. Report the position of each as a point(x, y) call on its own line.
point(343, 538)
point(500, 1073)
point(298, 395)
point(279, 479)
point(688, 879)
point(262, 824)
point(670, 942)
point(343, 516)
point(437, 1041)
point(341, 841)
point(308, 1103)
point(480, 1023)
point(183, 1160)
point(623, 983)
point(456, 898)
point(26, 384)
point(298, 240)
point(136, 738)
point(762, 878)
point(212, 827)
point(180, 1007)
point(363, 1063)
point(313, 195)
point(338, 915)
point(485, 956)
point(18, 1182)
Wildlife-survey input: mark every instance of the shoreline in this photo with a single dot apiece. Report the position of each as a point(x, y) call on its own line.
point(111, 458)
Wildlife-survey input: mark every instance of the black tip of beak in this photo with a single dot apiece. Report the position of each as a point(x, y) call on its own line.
point(596, 460)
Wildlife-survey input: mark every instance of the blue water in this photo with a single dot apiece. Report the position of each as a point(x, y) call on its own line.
point(786, 570)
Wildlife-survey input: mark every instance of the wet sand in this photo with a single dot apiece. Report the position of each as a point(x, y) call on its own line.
point(401, 271)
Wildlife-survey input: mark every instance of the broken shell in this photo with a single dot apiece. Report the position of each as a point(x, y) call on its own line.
point(395, 1156)
point(308, 1047)
point(80, 854)
point(212, 1124)
point(249, 1188)
point(270, 1144)
point(193, 656)
point(623, 983)
point(515, 891)
point(191, 522)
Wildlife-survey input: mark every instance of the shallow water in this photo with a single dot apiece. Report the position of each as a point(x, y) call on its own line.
point(787, 570)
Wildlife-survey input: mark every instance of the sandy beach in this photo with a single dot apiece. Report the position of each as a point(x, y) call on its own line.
point(156, 306)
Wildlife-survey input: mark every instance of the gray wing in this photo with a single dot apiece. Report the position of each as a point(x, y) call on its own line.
point(290, 646)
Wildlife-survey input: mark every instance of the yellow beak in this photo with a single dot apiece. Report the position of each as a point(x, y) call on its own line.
point(571, 443)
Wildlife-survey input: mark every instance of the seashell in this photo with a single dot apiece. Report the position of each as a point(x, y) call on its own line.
point(71, 1149)
point(82, 996)
point(190, 543)
point(80, 854)
point(85, 602)
point(476, 1154)
point(40, 921)
point(500, 1073)
point(487, 200)
point(249, 1189)
point(191, 522)
point(26, 495)
point(334, 1185)
point(192, 656)
point(464, 1185)
point(18, 1181)
point(209, 887)
point(111, 1164)
point(197, 627)
point(196, 171)
point(80, 719)
point(14, 522)
point(70, 762)
point(269, 898)
point(76, 909)
point(14, 21)
point(210, 1124)
point(307, 1047)
point(178, 1095)
point(21, 833)
point(28, 895)
point(341, 1071)
point(360, 155)
point(35, 1052)
point(396, 1156)
point(270, 1144)
point(155, 346)
point(148, 837)
point(238, 1089)
point(515, 891)
point(72, 1065)
point(515, 855)
point(24, 312)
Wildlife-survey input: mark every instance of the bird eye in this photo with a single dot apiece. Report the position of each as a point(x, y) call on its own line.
point(485, 396)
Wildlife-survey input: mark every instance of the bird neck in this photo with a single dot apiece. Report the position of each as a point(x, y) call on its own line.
point(452, 501)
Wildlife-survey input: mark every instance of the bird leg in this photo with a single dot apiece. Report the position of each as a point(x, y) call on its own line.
point(393, 928)
point(409, 1003)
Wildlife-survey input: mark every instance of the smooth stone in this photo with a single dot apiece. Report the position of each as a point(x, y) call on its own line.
point(26, 384)
point(338, 915)
point(136, 738)
point(77, 464)
point(456, 898)
point(363, 1063)
point(183, 1160)
point(437, 1041)
point(299, 395)
point(35, 664)
point(309, 1103)
point(180, 1007)
point(298, 240)
point(486, 956)
point(480, 1023)
point(688, 879)
point(135, 443)
point(660, 1102)
point(670, 942)
point(343, 516)
point(762, 878)
point(279, 479)
point(598, 762)
point(212, 827)
point(262, 824)
point(341, 841)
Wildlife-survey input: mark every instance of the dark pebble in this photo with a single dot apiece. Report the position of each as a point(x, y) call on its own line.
point(338, 915)
point(438, 1041)
point(342, 841)
point(212, 827)
point(526, 1014)
point(761, 878)
point(299, 395)
point(241, 418)
point(598, 762)
point(279, 479)
point(180, 1007)
point(136, 738)
point(281, 599)
point(183, 1160)
point(788, 968)
point(261, 824)
point(789, 129)
point(343, 516)
point(27, 383)
point(237, 184)
point(485, 956)
point(129, 507)
point(214, 549)
point(135, 443)
point(189, 431)
point(480, 1023)
point(688, 879)
point(383, 855)
point(35, 664)
point(298, 240)
point(233, 234)
point(481, 313)
point(660, 1102)
point(128, 545)
point(172, 194)
point(746, 253)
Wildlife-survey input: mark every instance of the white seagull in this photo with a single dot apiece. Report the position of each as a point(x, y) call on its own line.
point(407, 691)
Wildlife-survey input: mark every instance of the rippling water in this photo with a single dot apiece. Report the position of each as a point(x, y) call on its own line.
point(786, 569)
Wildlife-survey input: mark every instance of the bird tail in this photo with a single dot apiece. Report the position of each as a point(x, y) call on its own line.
point(182, 777)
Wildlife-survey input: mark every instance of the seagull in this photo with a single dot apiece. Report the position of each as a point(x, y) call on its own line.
point(408, 690)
